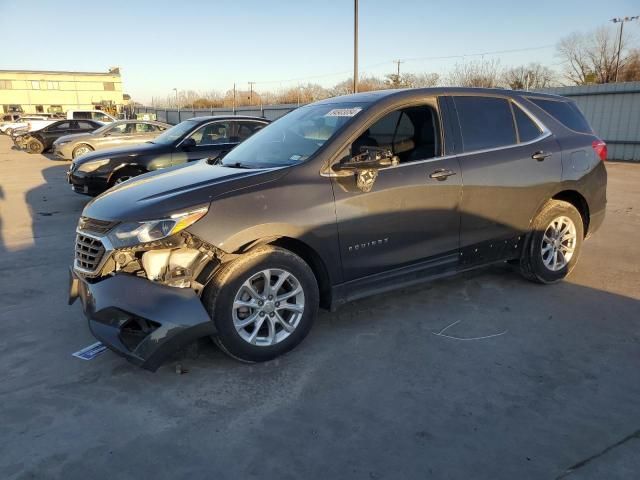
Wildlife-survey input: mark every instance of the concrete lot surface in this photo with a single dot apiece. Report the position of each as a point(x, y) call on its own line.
point(373, 393)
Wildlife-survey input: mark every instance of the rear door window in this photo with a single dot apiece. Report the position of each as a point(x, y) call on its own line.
point(485, 122)
point(82, 125)
point(566, 113)
point(527, 128)
point(246, 129)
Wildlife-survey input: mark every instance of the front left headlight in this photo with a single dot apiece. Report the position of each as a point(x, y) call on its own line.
point(92, 166)
point(134, 233)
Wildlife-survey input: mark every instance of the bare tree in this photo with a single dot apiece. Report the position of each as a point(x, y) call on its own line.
point(411, 80)
point(528, 77)
point(484, 73)
point(630, 72)
point(592, 57)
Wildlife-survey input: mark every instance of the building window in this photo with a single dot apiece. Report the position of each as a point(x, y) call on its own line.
point(55, 109)
point(5, 84)
point(39, 109)
point(53, 85)
point(35, 84)
point(12, 109)
point(110, 86)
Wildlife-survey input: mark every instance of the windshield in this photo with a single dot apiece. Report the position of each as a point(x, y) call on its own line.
point(175, 133)
point(103, 129)
point(293, 138)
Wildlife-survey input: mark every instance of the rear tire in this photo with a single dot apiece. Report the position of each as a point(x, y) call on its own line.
point(553, 246)
point(81, 149)
point(277, 318)
point(34, 146)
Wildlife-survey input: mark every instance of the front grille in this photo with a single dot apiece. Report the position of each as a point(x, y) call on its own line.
point(93, 225)
point(89, 252)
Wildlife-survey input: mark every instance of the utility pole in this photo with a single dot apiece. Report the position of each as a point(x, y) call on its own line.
point(398, 62)
point(234, 98)
point(355, 46)
point(621, 21)
point(251, 84)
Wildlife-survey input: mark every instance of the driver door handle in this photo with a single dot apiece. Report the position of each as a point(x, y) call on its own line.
point(540, 156)
point(441, 174)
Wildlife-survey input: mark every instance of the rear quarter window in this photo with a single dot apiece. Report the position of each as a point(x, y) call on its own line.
point(567, 113)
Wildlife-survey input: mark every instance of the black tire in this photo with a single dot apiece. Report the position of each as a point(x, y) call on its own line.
point(532, 265)
point(122, 176)
point(74, 154)
point(34, 146)
point(219, 295)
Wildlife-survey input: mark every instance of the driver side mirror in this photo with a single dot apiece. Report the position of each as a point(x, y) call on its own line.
point(188, 143)
point(370, 158)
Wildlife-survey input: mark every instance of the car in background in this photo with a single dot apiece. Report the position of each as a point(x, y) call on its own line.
point(90, 115)
point(26, 122)
point(41, 140)
point(115, 134)
point(194, 139)
point(9, 118)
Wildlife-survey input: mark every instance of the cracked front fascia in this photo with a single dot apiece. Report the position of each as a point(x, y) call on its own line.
point(129, 260)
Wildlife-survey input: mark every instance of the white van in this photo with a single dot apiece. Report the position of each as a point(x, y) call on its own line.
point(90, 115)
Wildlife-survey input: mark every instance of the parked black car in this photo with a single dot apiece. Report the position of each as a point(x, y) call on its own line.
point(340, 199)
point(42, 140)
point(193, 139)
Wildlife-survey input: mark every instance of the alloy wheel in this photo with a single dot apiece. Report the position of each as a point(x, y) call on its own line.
point(81, 151)
point(268, 307)
point(558, 243)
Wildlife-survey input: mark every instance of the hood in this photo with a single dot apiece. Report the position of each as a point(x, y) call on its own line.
point(72, 137)
point(163, 192)
point(130, 151)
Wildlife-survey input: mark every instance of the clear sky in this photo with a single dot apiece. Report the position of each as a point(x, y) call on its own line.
point(205, 45)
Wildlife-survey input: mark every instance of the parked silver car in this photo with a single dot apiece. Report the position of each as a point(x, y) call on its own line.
point(117, 134)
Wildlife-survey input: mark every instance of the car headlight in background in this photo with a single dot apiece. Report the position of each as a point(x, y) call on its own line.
point(133, 233)
point(92, 166)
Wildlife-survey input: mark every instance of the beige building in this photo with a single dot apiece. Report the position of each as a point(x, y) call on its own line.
point(34, 91)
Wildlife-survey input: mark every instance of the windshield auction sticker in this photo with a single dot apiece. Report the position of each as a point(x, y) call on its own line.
point(343, 112)
point(90, 352)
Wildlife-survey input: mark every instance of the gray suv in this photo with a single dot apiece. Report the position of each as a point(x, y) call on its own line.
point(338, 200)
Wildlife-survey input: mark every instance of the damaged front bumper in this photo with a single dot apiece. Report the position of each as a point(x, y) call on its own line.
point(141, 320)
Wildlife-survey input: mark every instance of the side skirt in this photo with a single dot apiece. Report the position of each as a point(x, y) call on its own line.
point(468, 258)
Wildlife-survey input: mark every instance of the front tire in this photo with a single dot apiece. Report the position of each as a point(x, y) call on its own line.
point(80, 150)
point(554, 243)
point(34, 146)
point(263, 304)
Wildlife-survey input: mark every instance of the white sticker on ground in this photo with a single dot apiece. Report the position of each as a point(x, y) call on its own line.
point(343, 112)
point(90, 352)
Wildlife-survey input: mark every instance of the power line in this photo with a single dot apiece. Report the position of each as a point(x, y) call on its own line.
point(412, 59)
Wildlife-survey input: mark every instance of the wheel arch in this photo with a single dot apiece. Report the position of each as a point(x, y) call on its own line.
point(127, 167)
point(304, 251)
point(576, 199)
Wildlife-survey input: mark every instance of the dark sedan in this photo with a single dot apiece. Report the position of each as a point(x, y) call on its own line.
point(193, 139)
point(42, 140)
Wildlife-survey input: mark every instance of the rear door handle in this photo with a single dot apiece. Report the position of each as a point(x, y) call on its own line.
point(441, 174)
point(540, 156)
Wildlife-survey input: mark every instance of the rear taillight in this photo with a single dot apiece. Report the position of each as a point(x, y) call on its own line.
point(600, 148)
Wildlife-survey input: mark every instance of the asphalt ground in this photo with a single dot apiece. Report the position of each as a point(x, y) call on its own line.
point(374, 392)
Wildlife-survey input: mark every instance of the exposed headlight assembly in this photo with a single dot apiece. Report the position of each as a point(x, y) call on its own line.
point(134, 233)
point(92, 166)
